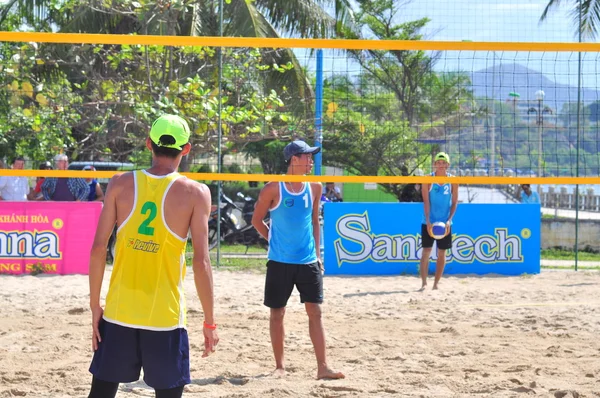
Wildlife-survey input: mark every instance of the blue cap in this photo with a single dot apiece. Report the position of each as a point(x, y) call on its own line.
point(298, 148)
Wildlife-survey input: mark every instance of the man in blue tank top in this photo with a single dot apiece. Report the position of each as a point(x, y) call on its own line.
point(439, 204)
point(294, 258)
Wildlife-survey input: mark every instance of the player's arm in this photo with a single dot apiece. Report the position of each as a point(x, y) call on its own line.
point(426, 204)
point(106, 224)
point(454, 203)
point(317, 189)
point(203, 278)
point(263, 204)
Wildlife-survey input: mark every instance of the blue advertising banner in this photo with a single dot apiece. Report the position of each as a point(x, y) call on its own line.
point(385, 239)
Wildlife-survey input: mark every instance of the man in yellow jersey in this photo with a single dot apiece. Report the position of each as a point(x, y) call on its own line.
point(143, 324)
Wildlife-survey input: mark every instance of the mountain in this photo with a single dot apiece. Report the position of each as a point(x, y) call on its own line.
point(507, 78)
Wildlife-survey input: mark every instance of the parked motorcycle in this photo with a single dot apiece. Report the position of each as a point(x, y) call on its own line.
point(235, 224)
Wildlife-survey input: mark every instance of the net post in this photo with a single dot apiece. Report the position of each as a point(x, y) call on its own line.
point(319, 112)
point(219, 132)
point(579, 71)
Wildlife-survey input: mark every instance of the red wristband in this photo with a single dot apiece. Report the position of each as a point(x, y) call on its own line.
point(209, 326)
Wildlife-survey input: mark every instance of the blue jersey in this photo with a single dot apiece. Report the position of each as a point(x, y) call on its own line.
point(440, 201)
point(291, 237)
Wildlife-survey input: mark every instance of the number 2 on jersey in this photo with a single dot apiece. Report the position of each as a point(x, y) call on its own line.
point(446, 189)
point(145, 228)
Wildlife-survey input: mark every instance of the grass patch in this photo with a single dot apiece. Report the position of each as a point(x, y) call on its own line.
point(225, 249)
point(553, 217)
point(558, 254)
point(234, 264)
point(571, 268)
point(257, 265)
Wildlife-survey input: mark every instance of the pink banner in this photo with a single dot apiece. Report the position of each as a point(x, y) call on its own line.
point(48, 237)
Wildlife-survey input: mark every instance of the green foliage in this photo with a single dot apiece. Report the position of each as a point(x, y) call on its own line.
point(235, 168)
point(586, 11)
point(422, 94)
point(37, 108)
point(121, 89)
point(270, 155)
point(564, 254)
point(203, 168)
point(368, 143)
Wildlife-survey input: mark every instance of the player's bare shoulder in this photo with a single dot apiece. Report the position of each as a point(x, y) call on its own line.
point(271, 186)
point(191, 191)
point(316, 188)
point(120, 182)
point(269, 191)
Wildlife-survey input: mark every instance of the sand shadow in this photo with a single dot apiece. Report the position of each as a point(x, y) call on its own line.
point(579, 284)
point(375, 293)
point(236, 380)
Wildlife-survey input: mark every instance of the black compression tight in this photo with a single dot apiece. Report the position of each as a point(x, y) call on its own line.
point(103, 389)
point(107, 389)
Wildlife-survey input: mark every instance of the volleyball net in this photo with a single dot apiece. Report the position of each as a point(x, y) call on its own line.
point(504, 112)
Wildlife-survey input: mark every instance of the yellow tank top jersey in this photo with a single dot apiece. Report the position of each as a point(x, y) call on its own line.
point(146, 287)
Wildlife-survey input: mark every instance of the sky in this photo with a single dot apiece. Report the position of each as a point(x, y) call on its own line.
point(491, 20)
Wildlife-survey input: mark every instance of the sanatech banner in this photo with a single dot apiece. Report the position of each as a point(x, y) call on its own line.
point(385, 239)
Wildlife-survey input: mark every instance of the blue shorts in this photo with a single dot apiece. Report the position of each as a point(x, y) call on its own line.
point(164, 355)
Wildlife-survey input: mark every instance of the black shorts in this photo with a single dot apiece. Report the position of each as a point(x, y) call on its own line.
point(282, 277)
point(124, 351)
point(427, 241)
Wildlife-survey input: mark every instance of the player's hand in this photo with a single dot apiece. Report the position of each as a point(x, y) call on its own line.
point(430, 229)
point(447, 228)
point(211, 339)
point(321, 266)
point(96, 317)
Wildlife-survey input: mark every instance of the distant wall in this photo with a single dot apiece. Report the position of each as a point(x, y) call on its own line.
point(561, 233)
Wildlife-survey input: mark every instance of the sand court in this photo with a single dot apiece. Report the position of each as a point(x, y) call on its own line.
point(476, 336)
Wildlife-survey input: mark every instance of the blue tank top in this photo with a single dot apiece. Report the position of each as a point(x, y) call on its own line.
point(291, 237)
point(440, 201)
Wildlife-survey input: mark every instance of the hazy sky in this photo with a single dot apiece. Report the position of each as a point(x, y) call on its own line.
point(491, 20)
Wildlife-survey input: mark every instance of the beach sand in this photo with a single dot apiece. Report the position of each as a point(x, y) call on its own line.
point(477, 336)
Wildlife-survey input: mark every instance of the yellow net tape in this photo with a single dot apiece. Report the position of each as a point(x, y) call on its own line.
point(340, 179)
point(179, 41)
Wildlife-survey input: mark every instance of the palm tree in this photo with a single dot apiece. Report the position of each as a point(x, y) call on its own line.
point(259, 18)
point(589, 10)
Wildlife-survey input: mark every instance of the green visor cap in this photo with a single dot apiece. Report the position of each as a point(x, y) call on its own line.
point(442, 156)
point(170, 131)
